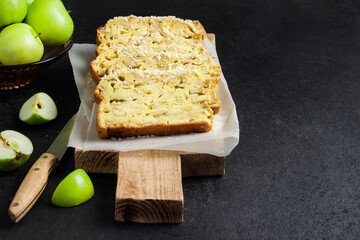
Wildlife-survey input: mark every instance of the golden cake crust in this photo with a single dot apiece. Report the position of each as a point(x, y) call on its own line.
point(169, 129)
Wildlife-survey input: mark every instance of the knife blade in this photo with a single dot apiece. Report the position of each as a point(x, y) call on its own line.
point(36, 179)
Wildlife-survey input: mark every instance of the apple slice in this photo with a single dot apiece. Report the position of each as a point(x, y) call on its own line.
point(75, 189)
point(38, 109)
point(15, 150)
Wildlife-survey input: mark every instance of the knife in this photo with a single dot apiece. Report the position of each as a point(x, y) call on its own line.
point(36, 179)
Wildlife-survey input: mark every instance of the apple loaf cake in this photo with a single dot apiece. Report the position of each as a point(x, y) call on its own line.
point(148, 55)
point(153, 77)
point(154, 27)
point(152, 102)
point(137, 41)
point(207, 71)
point(162, 56)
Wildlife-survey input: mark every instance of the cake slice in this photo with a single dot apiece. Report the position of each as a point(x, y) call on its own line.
point(149, 55)
point(124, 41)
point(159, 27)
point(210, 72)
point(153, 102)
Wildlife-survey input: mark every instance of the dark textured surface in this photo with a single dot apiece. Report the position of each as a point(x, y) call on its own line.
point(293, 68)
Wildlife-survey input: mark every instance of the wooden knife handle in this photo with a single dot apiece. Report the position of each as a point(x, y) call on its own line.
point(32, 186)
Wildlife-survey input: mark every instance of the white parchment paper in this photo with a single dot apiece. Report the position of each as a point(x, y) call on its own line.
point(219, 142)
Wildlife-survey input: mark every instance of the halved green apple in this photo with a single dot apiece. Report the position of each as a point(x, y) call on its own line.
point(15, 150)
point(38, 109)
point(75, 189)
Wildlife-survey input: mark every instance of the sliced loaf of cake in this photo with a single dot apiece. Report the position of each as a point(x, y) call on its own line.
point(153, 77)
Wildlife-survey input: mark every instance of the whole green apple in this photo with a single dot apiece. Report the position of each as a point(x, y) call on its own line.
point(51, 21)
point(12, 11)
point(19, 44)
point(76, 188)
point(15, 150)
point(38, 109)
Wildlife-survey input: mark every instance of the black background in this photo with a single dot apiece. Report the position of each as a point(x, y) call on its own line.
point(293, 68)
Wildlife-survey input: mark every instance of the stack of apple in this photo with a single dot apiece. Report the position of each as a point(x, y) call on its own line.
point(29, 25)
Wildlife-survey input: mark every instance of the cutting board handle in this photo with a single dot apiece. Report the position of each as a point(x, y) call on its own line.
point(149, 187)
point(32, 186)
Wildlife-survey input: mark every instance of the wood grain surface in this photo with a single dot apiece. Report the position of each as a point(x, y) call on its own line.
point(149, 187)
point(192, 164)
point(32, 186)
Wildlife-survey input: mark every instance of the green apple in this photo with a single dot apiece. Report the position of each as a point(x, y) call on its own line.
point(15, 150)
point(51, 21)
point(19, 44)
point(76, 188)
point(29, 2)
point(12, 11)
point(38, 109)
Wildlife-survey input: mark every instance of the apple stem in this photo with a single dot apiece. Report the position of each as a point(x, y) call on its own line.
point(38, 35)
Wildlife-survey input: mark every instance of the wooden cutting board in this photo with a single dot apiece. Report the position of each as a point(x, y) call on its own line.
point(149, 182)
